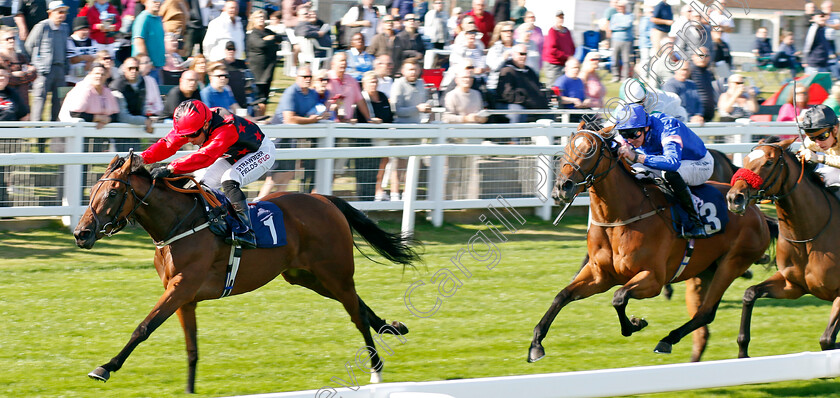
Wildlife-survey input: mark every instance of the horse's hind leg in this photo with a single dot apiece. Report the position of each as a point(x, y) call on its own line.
point(583, 286)
point(695, 289)
point(641, 286)
point(186, 314)
point(828, 339)
point(774, 287)
point(309, 281)
point(343, 290)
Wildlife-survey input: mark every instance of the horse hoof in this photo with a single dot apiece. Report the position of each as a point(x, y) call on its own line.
point(100, 374)
point(640, 323)
point(395, 328)
point(376, 377)
point(662, 348)
point(401, 328)
point(536, 353)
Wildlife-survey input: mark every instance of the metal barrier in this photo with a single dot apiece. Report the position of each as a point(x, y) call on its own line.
point(72, 171)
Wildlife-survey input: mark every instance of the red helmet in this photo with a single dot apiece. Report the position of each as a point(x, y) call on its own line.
point(190, 117)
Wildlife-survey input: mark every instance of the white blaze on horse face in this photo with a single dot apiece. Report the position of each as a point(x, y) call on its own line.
point(754, 155)
point(579, 141)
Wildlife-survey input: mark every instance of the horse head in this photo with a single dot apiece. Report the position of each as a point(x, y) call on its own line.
point(582, 162)
point(110, 205)
point(761, 177)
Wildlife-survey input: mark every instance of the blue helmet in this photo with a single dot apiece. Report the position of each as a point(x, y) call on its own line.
point(632, 116)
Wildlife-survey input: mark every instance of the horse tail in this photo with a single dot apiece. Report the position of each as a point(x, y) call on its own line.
point(396, 247)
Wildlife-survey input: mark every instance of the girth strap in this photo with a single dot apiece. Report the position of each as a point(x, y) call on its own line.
point(689, 250)
point(232, 268)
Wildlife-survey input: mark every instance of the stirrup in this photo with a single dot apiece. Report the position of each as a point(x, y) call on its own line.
point(697, 232)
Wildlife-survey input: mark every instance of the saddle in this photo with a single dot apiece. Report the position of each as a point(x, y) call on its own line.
point(710, 202)
point(266, 217)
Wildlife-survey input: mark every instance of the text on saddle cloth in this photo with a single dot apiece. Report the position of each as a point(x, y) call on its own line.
point(266, 218)
point(711, 207)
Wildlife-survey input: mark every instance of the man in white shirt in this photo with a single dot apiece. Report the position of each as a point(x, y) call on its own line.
point(364, 18)
point(227, 27)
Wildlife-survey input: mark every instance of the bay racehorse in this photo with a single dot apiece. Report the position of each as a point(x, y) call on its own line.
point(806, 256)
point(318, 255)
point(694, 289)
point(631, 242)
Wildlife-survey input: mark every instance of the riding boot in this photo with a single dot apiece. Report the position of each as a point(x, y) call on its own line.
point(683, 196)
point(237, 198)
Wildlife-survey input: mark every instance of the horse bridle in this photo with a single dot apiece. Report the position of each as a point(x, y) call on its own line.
point(779, 167)
point(117, 224)
point(590, 177)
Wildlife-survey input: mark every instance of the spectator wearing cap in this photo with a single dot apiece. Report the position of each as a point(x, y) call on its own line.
point(383, 42)
point(484, 21)
point(186, 89)
point(408, 43)
point(47, 44)
point(218, 93)
point(470, 52)
point(519, 85)
point(816, 48)
point(137, 95)
point(147, 37)
point(90, 100)
point(227, 27)
point(81, 51)
point(821, 145)
point(557, 47)
point(101, 30)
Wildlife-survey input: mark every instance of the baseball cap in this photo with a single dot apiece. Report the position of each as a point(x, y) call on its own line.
point(230, 46)
point(818, 117)
point(80, 23)
point(559, 12)
point(56, 4)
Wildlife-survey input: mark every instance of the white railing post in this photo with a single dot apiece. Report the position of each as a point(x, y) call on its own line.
point(437, 180)
point(73, 179)
point(545, 175)
point(410, 194)
point(324, 172)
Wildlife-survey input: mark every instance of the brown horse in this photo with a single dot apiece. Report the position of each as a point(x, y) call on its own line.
point(638, 248)
point(318, 255)
point(694, 288)
point(806, 256)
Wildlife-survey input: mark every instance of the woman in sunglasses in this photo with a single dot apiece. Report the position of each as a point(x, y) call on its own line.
point(662, 144)
point(233, 152)
point(821, 145)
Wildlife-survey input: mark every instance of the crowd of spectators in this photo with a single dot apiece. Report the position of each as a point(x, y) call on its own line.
point(134, 61)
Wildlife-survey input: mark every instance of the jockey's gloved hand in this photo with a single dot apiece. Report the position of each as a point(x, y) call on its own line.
point(807, 154)
point(160, 172)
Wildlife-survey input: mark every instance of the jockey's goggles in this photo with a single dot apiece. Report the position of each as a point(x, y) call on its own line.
point(632, 133)
point(819, 134)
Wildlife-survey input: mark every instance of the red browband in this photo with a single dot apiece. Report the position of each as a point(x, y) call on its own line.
point(754, 180)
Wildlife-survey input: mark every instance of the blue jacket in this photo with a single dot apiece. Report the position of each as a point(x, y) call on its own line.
point(668, 142)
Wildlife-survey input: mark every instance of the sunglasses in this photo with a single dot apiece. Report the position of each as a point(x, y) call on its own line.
point(133, 68)
point(305, 76)
point(225, 76)
point(507, 30)
point(737, 82)
point(822, 134)
point(325, 80)
point(106, 58)
point(631, 134)
point(523, 54)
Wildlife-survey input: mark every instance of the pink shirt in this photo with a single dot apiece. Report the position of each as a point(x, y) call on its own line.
point(594, 90)
point(348, 88)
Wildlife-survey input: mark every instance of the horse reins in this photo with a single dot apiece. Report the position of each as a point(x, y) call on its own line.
point(752, 179)
point(117, 224)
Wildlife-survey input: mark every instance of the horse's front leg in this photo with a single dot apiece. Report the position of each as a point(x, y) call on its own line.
point(179, 291)
point(584, 285)
point(828, 339)
point(642, 285)
point(774, 287)
point(186, 314)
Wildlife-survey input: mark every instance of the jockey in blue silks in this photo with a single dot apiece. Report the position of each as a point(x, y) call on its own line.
point(665, 146)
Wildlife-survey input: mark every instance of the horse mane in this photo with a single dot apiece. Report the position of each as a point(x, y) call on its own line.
point(810, 172)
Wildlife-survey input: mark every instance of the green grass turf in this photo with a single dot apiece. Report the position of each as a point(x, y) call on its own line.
point(66, 310)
